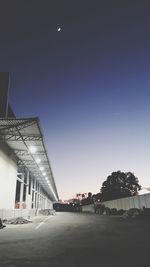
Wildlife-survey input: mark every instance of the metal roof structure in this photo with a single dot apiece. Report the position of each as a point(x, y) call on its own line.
point(25, 139)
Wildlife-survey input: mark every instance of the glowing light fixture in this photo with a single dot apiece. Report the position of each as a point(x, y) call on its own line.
point(41, 168)
point(44, 173)
point(38, 160)
point(32, 149)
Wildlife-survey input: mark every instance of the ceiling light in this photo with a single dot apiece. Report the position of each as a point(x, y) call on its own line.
point(41, 168)
point(38, 160)
point(32, 149)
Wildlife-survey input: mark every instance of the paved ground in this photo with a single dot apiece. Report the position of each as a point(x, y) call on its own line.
point(76, 240)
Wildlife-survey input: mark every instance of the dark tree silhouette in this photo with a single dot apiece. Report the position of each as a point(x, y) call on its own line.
point(118, 185)
point(88, 200)
point(97, 197)
point(90, 195)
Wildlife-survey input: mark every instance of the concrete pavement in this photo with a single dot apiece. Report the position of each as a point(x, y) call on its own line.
point(76, 240)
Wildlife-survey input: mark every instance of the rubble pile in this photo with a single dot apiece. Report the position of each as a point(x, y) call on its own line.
point(47, 212)
point(19, 220)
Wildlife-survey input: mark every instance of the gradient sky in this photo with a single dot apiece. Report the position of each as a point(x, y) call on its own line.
point(89, 84)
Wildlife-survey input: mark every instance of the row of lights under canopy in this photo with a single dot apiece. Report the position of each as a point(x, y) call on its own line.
point(33, 150)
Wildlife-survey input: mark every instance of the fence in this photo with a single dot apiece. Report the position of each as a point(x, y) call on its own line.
point(139, 202)
point(129, 202)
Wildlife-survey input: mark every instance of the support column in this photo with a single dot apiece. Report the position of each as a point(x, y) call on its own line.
point(28, 197)
point(21, 192)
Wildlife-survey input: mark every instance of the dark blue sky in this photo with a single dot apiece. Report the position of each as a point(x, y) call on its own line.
point(89, 84)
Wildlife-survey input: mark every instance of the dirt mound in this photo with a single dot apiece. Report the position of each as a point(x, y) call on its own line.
point(47, 212)
point(19, 220)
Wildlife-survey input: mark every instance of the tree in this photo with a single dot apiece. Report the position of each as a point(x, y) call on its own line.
point(97, 197)
point(88, 200)
point(89, 195)
point(120, 184)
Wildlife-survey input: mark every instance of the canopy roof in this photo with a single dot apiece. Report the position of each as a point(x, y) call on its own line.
point(25, 139)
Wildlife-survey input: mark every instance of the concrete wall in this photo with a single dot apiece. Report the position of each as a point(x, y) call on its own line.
point(88, 208)
point(8, 175)
point(14, 213)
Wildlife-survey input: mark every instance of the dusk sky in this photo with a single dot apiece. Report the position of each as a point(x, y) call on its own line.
point(89, 84)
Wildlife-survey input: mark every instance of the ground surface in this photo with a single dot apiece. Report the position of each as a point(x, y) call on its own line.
point(76, 240)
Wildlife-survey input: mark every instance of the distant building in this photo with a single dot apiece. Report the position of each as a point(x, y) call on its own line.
point(26, 177)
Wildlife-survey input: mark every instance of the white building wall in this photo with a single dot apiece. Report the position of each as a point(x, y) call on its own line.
point(28, 201)
point(8, 176)
point(50, 205)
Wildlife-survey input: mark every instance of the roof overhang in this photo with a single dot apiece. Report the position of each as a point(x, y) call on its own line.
point(25, 139)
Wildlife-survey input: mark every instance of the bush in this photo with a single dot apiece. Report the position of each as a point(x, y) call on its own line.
point(120, 212)
point(108, 211)
point(99, 208)
point(132, 213)
point(113, 211)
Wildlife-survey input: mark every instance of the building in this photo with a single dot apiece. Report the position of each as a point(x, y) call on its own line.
point(26, 177)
